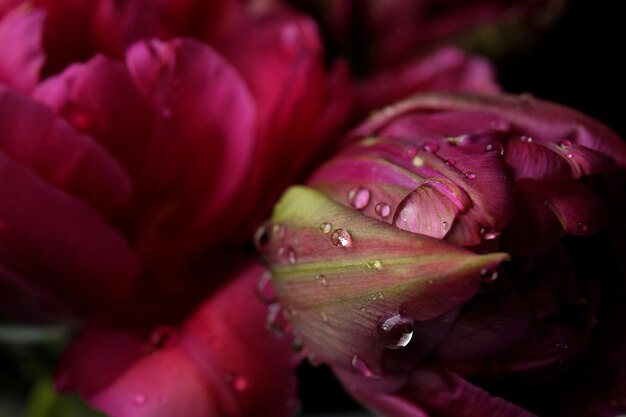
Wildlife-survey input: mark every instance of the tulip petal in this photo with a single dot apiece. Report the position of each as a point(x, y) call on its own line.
point(217, 363)
point(21, 51)
point(48, 238)
point(448, 69)
point(61, 156)
point(369, 269)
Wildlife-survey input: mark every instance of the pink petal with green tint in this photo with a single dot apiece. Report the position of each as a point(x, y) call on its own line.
point(61, 244)
point(60, 155)
point(447, 69)
point(21, 50)
point(337, 281)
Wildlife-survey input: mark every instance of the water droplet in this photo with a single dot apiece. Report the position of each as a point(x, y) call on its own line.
point(445, 225)
point(322, 279)
point(360, 367)
point(262, 238)
point(500, 126)
point(279, 230)
point(139, 399)
point(326, 227)
point(451, 162)
point(375, 264)
point(582, 226)
point(166, 112)
point(488, 276)
point(489, 147)
point(276, 322)
point(456, 140)
point(563, 346)
point(417, 161)
point(490, 234)
point(565, 143)
point(569, 155)
point(410, 151)
point(395, 332)
point(160, 337)
point(297, 345)
point(264, 289)
point(341, 238)
point(430, 147)
point(470, 175)
point(359, 197)
point(526, 139)
point(287, 254)
point(240, 383)
point(383, 209)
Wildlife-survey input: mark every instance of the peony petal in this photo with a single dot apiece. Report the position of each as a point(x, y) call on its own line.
point(48, 238)
point(448, 69)
point(61, 156)
point(216, 364)
point(21, 52)
point(337, 281)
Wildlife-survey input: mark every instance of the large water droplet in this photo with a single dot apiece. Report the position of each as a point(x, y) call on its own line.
point(326, 227)
point(262, 237)
point(359, 197)
point(565, 143)
point(445, 225)
point(383, 209)
point(360, 367)
point(287, 254)
point(264, 289)
point(276, 322)
point(341, 238)
point(395, 332)
point(470, 175)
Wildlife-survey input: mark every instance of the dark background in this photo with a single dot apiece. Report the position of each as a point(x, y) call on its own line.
point(577, 62)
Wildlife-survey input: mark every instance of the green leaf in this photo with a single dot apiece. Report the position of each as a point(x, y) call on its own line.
point(45, 402)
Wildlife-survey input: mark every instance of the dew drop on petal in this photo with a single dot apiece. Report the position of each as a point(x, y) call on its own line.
point(375, 264)
point(341, 238)
point(410, 151)
point(287, 254)
point(430, 147)
point(445, 225)
point(526, 139)
point(470, 175)
point(565, 143)
point(359, 197)
point(383, 209)
point(264, 289)
point(488, 276)
point(569, 155)
point(418, 162)
point(582, 226)
point(490, 235)
point(360, 367)
point(451, 162)
point(321, 278)
point(276, 322)
point(262, 237)
point(395, 331)
point(326, 227)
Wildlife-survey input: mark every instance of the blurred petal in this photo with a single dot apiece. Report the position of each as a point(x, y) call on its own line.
point(60, 243)
point(448, 69)
point(336, 281)
point(21, 52)
point(57, 153)
point(218, 363)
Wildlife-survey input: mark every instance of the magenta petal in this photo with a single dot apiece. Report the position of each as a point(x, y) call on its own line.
point(61, 156)
point(82, 367)
point(206, 120)
point(218, 363)
point(60, 243)
point(529, 158)
point(21, 51)
point(448, 69)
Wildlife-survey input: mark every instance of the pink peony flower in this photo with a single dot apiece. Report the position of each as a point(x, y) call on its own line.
point(440, 262)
